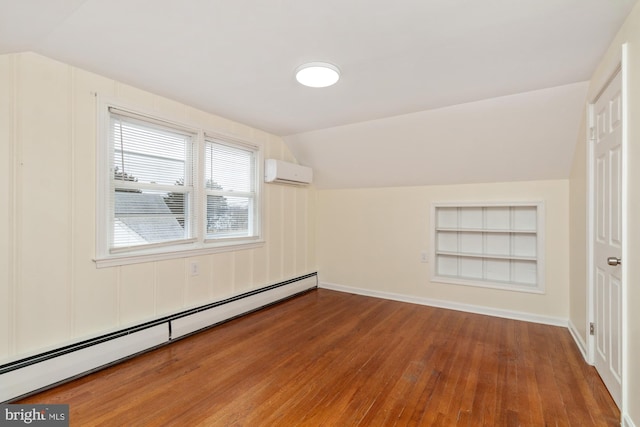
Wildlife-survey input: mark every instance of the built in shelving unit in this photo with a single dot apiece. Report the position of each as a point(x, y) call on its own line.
point(498, 245)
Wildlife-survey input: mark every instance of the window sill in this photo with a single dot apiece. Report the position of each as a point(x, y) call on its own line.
point(149, 256)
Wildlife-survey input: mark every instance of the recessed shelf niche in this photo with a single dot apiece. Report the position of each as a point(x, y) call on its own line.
point(489, 245)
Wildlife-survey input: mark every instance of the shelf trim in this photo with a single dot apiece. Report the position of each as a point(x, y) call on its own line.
point(489, 256)
point(450, 227)
point(491, 284)
point(485, 230)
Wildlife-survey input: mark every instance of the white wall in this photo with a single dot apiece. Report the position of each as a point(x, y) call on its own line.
point(630, 32)
point(371, 239)
point(50, 290)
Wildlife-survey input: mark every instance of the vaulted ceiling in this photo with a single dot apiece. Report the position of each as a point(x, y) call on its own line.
point(237, 58)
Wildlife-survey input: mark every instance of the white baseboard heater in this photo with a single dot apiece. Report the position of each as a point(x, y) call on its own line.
point(36, 373)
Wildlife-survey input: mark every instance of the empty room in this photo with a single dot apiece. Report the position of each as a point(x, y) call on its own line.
point(329, 213)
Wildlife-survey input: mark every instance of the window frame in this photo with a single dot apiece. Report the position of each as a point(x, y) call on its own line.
point(187, 189)
point(255, 219)
point(198, 244)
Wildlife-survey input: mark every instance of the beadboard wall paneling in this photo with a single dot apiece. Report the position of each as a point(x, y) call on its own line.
point(51, 293)
point(7, 217)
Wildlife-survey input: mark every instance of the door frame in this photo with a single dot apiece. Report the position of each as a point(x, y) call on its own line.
point(620, 65)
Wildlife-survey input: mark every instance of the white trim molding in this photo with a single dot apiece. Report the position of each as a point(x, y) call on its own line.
point(619, 63)
point(469, 308)
point(580, 342)
point(627, 421)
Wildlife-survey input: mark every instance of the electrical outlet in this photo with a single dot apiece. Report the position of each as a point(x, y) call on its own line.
point(195, 268)
point(424, 257)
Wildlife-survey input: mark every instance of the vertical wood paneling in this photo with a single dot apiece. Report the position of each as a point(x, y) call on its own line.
point(198, 286)
point(16, 273)
point(275, 241)
point(136, 296)
point(6, 202)
point(260, 267)
point(273, 219)
point(289, 253)
point(312, 196)
point(223, 269)
point(95, 292)
point(71, 72)
point(47, 207)
point(171, 286)
point(300, 232)
point(243, 274)
point(43, 119)
point(267, 230)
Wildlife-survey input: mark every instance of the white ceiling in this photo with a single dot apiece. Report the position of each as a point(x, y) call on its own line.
point(432, 91)
point(237, 58)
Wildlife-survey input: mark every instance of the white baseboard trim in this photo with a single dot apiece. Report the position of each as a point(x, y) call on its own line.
point(582, 346)
point(189, 324)
point(626, 421)
point(469, 308)
point(40, 371)
point(51, 371)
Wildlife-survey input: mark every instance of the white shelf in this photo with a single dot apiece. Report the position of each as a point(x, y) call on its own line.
point(485, 230)
point(491, 245)
point(488, 256)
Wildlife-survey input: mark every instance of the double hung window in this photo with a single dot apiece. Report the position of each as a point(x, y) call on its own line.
point(152, 188)
point(230, 188)
point(169, 190)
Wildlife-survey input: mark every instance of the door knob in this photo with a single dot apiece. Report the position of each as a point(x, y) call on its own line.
point(613, 261)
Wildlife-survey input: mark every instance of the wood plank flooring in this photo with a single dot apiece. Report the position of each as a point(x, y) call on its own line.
point(335, 359)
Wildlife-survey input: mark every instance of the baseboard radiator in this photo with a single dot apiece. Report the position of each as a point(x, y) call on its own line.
point(39, 372)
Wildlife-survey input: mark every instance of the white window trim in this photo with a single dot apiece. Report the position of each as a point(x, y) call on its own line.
point(259, 184)
point(484, 283)
point(184, 249)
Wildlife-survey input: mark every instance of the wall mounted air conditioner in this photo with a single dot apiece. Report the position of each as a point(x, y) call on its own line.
point(286, 173)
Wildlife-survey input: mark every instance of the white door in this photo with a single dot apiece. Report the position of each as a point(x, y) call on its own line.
point(608, 235)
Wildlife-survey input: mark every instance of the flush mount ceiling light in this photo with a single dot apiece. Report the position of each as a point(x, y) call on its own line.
point(317, 74)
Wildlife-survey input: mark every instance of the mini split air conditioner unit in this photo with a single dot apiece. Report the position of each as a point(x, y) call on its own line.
point(286, 173)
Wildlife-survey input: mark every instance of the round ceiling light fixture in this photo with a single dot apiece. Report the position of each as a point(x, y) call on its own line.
point(317, 74)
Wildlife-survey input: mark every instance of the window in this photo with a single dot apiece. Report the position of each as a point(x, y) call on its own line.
point(169, 190)
point(489, 245)
point(230, 189)
point(151, 184)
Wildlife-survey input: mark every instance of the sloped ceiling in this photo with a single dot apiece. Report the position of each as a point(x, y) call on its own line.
point(237, 58)
point(528, 136)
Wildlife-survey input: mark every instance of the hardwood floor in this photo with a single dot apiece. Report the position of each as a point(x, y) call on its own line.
point(334, 359)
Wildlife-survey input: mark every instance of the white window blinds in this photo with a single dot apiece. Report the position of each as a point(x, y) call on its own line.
point(152, 187)
point(230, 187)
